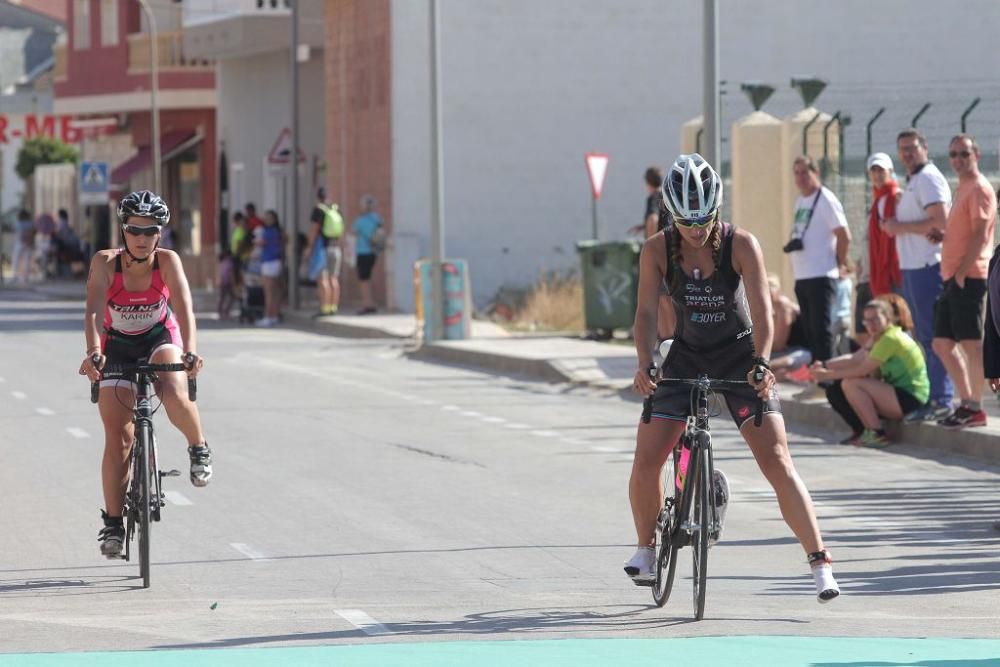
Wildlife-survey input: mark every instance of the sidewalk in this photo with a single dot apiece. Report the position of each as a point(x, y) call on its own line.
point(603, 366)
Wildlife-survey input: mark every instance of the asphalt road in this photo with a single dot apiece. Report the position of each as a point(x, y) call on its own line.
point(361, 497)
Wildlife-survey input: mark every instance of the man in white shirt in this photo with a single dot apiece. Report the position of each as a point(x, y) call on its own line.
point(818, 250)
point(919, 225)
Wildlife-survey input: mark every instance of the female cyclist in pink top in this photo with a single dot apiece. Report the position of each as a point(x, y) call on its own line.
point(147, 315)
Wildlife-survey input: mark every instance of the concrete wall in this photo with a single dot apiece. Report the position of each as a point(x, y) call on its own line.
point(528, 87)
point(254, 107)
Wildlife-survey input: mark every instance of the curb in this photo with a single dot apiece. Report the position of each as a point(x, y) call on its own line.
point(334, 328)
point(816, 414)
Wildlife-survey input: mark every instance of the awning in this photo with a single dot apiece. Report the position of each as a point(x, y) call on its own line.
point(172, 144)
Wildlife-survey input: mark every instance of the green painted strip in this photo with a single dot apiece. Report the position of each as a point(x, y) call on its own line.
point(751, 651)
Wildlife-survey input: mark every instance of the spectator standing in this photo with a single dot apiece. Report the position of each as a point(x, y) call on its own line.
point(959, 312)
point(884, 275)
point(921, 216)
point(253, 222)
point(323, 255)
point(270, 239)
point(24, 246)
point(818, 249)
point(369, 242)
point(45, 230)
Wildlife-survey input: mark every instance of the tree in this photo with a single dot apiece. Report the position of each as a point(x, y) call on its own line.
point(43, 150)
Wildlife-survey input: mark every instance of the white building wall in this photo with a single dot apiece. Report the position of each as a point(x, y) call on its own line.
point(254, 106)
point(529, 86)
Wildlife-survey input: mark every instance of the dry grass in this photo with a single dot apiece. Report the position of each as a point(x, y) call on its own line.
point(554, 303)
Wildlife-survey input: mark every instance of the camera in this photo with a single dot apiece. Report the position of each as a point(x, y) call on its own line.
point(795, 245)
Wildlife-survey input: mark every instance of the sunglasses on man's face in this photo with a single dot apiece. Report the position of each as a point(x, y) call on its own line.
point(142, 230)
point(962, 154)
point(689, 223)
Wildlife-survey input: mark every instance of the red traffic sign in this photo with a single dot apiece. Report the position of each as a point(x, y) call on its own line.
point(597, 168)
point(281, 151)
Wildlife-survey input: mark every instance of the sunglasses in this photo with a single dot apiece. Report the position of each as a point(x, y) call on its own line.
point(689, 223)
point(955, 154)
point(142, 230)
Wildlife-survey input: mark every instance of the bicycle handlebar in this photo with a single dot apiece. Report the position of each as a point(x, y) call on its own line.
point(706, 383)
point(127, 369)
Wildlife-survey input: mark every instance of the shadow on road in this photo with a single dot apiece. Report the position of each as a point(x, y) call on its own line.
point(571, 620)
point(30, 588)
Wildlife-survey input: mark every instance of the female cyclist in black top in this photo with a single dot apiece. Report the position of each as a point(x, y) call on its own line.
point(715, 276)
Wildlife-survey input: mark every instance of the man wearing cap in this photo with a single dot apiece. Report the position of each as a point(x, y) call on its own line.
point(921, 216)
point(960, 310)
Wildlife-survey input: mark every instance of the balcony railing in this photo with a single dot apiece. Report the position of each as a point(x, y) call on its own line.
point(59, 69)
point(170, 53)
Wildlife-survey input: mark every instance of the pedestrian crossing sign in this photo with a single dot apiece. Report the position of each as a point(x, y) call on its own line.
point(93, 182)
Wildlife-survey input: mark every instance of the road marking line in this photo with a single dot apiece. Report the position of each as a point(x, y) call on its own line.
point(248, 551)
point(45, 412)
point(608, 450)
point(77, 432)
point(19, 395)
point(545, 434)
point(450, 408)
point(471, 413)
point(493, 420)
point(363, 622)
point(177, 498)
point(516, 426)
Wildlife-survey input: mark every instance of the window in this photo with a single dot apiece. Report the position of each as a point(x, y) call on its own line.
point(109, 22)
point(81, 25)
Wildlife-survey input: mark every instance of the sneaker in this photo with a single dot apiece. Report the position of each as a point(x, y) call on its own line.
point(822, 571)
point(201, 464)
point(112, 536)
point(720, 484)
point(266, 322)
point(963, 417)
point(642, 565)
point(874, 439)
point(931, 412)
point(852, 439)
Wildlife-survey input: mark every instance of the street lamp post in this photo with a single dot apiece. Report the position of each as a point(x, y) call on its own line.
point(436, 312)
point(293, 163)
point(154, 109)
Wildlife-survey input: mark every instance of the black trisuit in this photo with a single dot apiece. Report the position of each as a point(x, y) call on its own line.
point(713, 337)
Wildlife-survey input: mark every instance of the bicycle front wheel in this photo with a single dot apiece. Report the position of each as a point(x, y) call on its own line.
point(699, 536)
point(143, 442)
point(666, 546)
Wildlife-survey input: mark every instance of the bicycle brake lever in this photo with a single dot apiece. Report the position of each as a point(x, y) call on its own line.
point(758, 418)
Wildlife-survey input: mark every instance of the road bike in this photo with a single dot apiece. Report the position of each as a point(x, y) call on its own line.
point(689, 516)
point(144, 497)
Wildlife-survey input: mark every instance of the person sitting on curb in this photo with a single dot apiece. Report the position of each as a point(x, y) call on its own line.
point(902, 385)
point(790, 355)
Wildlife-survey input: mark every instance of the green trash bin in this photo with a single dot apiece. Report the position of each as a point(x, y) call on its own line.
point(610, 281)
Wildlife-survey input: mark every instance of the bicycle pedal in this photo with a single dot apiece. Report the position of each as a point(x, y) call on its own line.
point(643, 583)
point(170, 473)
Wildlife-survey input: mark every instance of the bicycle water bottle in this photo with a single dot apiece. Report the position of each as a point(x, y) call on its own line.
point(682, 465)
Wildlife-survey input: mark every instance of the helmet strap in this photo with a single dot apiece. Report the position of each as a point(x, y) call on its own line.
point(138, 260)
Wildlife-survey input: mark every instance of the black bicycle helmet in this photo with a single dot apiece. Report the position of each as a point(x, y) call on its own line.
point(143, 204)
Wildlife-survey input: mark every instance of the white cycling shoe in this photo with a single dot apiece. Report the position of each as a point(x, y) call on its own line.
point(641, 567)
point(822, 571)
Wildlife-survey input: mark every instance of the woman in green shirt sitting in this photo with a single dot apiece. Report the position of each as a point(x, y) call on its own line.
point(899, 386)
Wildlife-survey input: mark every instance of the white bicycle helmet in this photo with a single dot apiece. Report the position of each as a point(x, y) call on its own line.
point(692, 190)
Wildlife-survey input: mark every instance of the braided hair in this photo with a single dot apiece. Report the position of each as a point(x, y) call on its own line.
point(676, 255)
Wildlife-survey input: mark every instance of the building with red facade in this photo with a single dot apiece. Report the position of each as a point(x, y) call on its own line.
point(102, 72)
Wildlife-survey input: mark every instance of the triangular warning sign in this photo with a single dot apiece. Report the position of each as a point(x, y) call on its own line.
point(281, 151)
point(597, 168)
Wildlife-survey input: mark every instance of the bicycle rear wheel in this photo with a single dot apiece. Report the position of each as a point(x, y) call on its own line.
point(666, 546)
point(699, 536)
point(144, 489)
